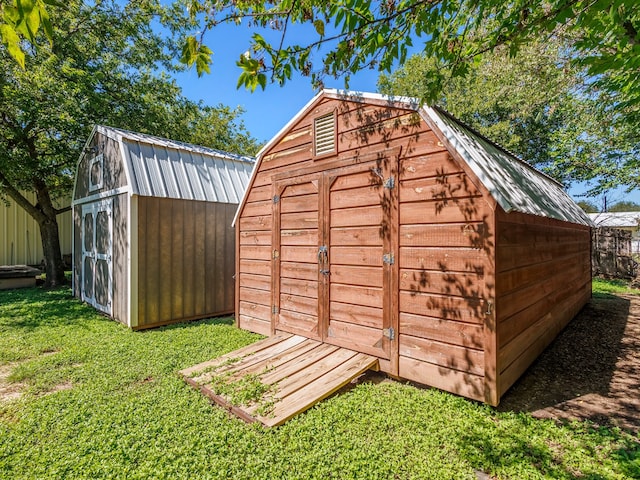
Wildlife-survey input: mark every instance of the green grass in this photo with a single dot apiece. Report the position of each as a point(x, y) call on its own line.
point(603, 287)
point(129, 415)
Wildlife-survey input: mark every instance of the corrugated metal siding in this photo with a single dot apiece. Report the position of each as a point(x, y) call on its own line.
point(168, 169)
point(20, 242)
point(515, 185)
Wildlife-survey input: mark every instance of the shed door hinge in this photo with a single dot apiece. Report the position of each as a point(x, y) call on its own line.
point(276, 198)
point(390, 333)
point(388, 258)
point(275, 310)
point(390, 182)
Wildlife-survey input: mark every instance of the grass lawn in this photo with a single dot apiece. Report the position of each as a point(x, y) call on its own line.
point(101, 401)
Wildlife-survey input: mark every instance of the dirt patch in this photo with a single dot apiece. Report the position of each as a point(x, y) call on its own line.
point(590, 372)
point(60, 387)
point(9, 390)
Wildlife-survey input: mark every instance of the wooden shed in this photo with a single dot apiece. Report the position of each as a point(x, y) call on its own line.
point(388, 228)
point(152, 237)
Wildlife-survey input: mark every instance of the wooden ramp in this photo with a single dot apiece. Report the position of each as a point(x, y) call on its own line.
point(276, 378)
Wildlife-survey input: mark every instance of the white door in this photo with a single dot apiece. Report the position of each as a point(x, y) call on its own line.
point(97, 281)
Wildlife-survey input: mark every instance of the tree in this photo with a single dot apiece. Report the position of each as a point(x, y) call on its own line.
point(370, 33)
point(99, 69)
point(625, 206)
point(346, 36)
point(23, 19)
point(534, 104)
point(587, 206)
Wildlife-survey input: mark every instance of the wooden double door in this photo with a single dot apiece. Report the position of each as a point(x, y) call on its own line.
point(334, 273)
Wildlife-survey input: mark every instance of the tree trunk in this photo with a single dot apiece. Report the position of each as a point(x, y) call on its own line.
point(54, 265)
point(46, 215)
point(48, 222)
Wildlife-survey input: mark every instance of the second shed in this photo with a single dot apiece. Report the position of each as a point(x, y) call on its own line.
point(152, 236)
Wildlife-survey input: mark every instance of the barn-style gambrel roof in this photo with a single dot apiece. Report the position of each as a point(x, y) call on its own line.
point(158, 167)
point(512, 182)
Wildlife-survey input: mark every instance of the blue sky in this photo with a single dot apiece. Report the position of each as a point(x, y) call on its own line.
point(266, 112)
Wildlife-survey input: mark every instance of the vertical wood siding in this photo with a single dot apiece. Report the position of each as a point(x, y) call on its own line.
point(20, 242)
point(185, 260)
point(543, 279)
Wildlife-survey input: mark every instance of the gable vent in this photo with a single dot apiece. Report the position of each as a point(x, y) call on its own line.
point(324, 134)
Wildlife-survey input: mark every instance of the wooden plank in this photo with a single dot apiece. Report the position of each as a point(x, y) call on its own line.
point(275, 360)
point(259, 194)
point(356, 295)
point(164, 259)
point(298, 323)
point(302, 378)
point(307, 189)
point(262, 312)
point(454, 357)
point(434, 164)
point(357, 314)
point(252, 358)
point(305, 398)
point(450, 259)
point(465, 285)
point(356, 255)
point(258, 282)
point(295, 303)
point(299, 221)
point(358, 197)
point(467, 209)
point(441, 187)
point(352, 217)
point(293, 366)
point(258, 267)
point(255, 325)
point(179, 268)
point(299, 253)
point(356, 275)
point(358, 337)
point(254, 347)
point(257, 209)
point(302, 271)
point(262, 222)
point(151, 249)
point(261, 237)
point(463, 234)
point(366, 178)
point(298, 204)
point(454, 381)
point(304, 288)
point(261, 297)
point(299, 237)
point(356, 236)
point(255, 252)
point(439, 306)
point(445, 331)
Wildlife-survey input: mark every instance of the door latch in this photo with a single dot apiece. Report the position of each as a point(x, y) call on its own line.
point(323, 259)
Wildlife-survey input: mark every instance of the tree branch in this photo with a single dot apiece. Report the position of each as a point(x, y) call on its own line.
point(6, 187)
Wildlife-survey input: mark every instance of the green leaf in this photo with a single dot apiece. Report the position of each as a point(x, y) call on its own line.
point(189, 51)
point(319, 25)
point(12, 41)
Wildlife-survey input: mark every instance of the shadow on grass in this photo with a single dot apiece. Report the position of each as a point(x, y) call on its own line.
point(511, 451)
point(226, 320)
point(31, 308)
